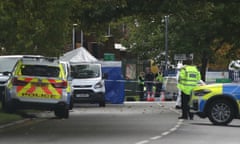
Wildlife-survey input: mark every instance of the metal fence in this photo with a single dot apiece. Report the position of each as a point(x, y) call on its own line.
point(234, 76)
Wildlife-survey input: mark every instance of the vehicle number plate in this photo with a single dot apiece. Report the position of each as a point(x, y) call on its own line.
point(39, 84)
point(82, 95)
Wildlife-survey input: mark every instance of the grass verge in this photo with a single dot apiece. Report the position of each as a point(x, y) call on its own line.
point(7, 117)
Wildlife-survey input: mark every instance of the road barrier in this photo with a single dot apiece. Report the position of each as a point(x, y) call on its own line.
point(148, 96)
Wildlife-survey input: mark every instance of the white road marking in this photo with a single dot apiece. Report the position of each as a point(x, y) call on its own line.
point(173, 129)
point(179, 123)
point(143, 142)
point(155, 138)
point(165, 133)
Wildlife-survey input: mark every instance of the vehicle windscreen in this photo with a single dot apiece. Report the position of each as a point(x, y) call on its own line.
point(43, 71)
point(7, 64)
point(85, 71)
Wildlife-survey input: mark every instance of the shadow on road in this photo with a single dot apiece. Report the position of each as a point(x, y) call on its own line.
point(210, 124)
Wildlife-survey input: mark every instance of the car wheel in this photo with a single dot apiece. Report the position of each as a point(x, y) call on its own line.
point(71, 105)
point(62, 112)
point(66, 114)
point(102, 104)
point(220, 112)
point(3, 103)
point(9, 107)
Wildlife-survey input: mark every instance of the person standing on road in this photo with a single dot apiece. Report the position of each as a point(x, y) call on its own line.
point(149, 78)
point(141, 85)
point(189, 77)
point(178, 104)
point(159, 83)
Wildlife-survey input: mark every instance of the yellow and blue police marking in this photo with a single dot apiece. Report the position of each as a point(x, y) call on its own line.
point(229, 90)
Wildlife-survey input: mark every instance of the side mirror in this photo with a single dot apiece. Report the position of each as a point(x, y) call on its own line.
point(105, 76)
point(6, 73)
point(69, 78)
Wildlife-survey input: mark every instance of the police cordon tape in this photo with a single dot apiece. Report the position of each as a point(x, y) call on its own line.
point(135, 81)
point(150, 95)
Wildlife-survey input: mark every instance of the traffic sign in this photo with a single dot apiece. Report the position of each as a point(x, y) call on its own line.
point(180, 57)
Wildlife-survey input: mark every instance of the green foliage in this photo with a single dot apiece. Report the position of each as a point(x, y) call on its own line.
point(199, 27)
point(145, 37)
point(34, 27)
point(6, 118)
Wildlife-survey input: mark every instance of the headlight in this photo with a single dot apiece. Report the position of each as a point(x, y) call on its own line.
point(201, 92)
point(98, 85)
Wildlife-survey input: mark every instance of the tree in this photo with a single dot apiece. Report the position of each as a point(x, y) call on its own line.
point(34, 27)
point(199, 27)
point(205, 27)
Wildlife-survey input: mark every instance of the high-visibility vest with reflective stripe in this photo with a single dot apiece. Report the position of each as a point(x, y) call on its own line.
point(141, 80)
point(189, 77)
point(159, 78)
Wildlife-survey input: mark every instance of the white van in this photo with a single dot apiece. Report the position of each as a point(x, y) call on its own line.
point(88, 83)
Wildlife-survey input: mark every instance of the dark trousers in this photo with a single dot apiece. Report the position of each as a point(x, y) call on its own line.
point(141, 92)
point(149, 86)
point(185, 106)
point(158, 89)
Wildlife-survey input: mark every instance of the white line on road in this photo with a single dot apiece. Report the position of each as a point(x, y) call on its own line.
point(165, 133)
point(173, 129)
point(179, 123)
point(155, 138)
point(143, 142)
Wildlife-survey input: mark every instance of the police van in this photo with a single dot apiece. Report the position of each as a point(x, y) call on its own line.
point(38, 83)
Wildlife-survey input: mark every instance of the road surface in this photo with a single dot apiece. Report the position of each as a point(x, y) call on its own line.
point(129, 123)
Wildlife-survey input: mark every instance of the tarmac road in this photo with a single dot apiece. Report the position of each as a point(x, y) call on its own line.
point(129, 123)
point(202, 131)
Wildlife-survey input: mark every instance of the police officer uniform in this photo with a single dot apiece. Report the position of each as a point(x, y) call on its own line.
point(141, 85)
point(149, 78)
point(189, 77)
point(159, 83)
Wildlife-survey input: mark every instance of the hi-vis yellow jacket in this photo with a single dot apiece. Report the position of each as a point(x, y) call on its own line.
point(189, 77)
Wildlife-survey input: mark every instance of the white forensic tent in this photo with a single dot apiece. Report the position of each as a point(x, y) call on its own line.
point(78, 55)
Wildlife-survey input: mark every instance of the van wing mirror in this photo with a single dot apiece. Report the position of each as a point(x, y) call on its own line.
point(69, 78)
point(105, 76)
point(7, 73)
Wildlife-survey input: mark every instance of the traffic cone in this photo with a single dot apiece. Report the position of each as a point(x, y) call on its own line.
point(148, 96)
point(153, 96)
point(162, 96)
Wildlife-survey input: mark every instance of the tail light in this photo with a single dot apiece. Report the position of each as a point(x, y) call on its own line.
point(17, 82)
point(62, 84)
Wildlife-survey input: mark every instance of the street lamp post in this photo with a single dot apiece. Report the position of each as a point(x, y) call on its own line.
point(73, 36)
point(166, 19)
point(81, 38)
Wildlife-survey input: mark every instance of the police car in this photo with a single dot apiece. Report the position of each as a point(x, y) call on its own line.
point(38, 83)
point(7, 63)
point(219, 102)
